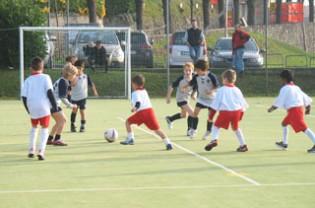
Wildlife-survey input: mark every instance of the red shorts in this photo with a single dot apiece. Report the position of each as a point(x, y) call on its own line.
point(211, 114)
point(295, 118)
point(147, 117)
point(44, 121)
point(226, 118)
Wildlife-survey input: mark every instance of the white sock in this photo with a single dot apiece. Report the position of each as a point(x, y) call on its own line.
point(130, 135)
point(285, 134)
point(215, 133)
point(43, 141)
point(310, 134)
point(167, 141)
point(32, 140)
point(240, 136)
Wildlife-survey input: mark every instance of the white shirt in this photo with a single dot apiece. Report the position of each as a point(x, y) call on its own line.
point(142, 97)
point(80, 90)
point(35, 90)
point(229, 98)
point(291, 96)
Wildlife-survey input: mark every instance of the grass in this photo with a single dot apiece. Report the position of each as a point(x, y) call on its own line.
point(93, 173)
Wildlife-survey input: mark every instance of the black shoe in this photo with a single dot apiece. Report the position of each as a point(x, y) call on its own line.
point(169, 147)
point(281, 145)
point(82, 129)
point(40, 157)
point(211, 145)
point(30, 155)
point(312, 150)
point(242, 148)
point(73, 128)
point(127, 142)
point(169, 122)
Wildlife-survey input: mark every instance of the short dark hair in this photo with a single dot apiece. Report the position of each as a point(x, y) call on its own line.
point(287, 75)
point(36, 63)
point(202, 65)
point(79, 63)
point(139, 80)
point(69, 58)
point(229, 75)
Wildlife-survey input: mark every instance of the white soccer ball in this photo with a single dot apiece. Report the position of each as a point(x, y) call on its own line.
point(111, 135)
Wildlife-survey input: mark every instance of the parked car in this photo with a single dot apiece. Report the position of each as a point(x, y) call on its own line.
point(141, 48)
point(179, 51)
point(221, 55)
point(115, 55)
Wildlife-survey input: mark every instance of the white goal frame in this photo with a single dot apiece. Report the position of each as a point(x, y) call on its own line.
point(23, 29)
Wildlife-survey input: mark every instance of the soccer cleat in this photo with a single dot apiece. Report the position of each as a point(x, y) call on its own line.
point(73, 128)
point(205, 136)
point(30, 155)
point(50, 142)
point(281, 145)
point(188, 132)
point(59, 143)
point(211, 145)
point(242, 148)
point(169, 147)
point(82, 129)
point(169, 122)
point(128, 142)
point(40, 157)
point(192, 133)
point(312, 150)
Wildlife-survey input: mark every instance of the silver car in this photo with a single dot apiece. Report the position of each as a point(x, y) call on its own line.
point(221, 55)
point(114, 53)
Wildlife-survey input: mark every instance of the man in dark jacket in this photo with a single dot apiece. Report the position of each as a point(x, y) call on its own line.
point(96, 55)
point(239, 39)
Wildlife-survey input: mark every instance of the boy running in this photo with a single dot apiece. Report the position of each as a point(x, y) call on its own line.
point(182, 96)
point(294, 100)
point(143, 113)
point(79, 95)
point(231, 105)
point(38, 98)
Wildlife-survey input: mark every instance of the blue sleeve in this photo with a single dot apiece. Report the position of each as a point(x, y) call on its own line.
point(214, 79)
point(63, 88)
point(194, 82)
point(175, 84)
point(90, 83)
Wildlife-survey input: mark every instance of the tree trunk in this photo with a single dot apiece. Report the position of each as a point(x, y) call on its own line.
point(91, 5)
point(278, 11)
point(236, 14)
point(164, 5)
point(206, 13)
point(139, 14)
point(221, 13)
point(251, 12)
point(311, 5)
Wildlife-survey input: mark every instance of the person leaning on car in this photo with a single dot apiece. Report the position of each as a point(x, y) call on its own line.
point(239, 39)
point(96, 55)
point(195, 39)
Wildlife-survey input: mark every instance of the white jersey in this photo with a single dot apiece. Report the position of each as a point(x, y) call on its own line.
point(80, 90)
point(35, 90)
point(291, 96)
point(142, 97)
point(229, 98)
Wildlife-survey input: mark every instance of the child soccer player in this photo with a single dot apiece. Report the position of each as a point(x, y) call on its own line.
point(231, 105)
point(294, 100)
point(79, 94)
point(206, 84)
point(61, 87)
point(38, 97)
point(143, 113)
point(182, 96)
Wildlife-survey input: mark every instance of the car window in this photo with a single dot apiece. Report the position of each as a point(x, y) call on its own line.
point(104, 37)
point(137, 38)
point(226, 45)
point(178, 38)
point(251, 45)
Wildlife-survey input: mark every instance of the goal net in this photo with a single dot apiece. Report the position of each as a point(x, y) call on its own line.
point(104, 50)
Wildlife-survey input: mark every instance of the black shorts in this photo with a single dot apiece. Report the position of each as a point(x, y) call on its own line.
point(54, 111)
point(80, 103)
point(199, 105)
point(180, 104)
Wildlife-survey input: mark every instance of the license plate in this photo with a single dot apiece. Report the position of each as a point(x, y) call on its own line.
point(133, 52)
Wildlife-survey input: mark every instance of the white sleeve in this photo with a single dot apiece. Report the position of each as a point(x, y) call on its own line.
point(280, 100)
point(217, 100)
point(134, 98)
point(24, 89)
point(306, 99)
point(242, 100)
point(49, 84)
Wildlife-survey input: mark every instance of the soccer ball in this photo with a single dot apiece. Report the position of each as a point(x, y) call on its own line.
point(111, 135)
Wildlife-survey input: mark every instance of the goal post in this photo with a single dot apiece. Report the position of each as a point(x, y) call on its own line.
point(106, 52)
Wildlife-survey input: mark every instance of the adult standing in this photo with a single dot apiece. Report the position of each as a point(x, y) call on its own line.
point(239, 39)
point(195, 40)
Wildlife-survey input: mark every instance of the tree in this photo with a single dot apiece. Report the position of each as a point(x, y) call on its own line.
point(139, 13)
point(311, 9)
point(278, 11)
point(251, 12)
point(236, 4)
point(91, 4)
point(221, 13)
point(164, 5)
point(206, 13)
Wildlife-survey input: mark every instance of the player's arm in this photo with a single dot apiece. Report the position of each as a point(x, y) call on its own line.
point(272, 108)
point(52, 100)
point(168, 94)
point(24, 99)
point(63, 93)
point(92, 85)
point(308, 110)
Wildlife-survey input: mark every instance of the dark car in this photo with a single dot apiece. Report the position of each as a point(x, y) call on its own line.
point(141, 48)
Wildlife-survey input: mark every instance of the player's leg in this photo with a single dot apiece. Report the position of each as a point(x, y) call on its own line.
point(83, 121)
point(32, 138)
point(44, 122)
point(310, 135)
point(165, 139)
point(241, 139)
point(190, 112)
point(61, 122)
point(130, 135)
point(73, 118)
point(53, 130)
point(214, 138)
point(195, 121)
point(209, 123)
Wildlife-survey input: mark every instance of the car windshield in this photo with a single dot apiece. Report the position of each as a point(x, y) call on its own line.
point(178, 38)
point(105, 37)
point(137, 38)
point(226, 45)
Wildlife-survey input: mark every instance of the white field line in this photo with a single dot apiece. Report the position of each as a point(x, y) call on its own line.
point(151, 188)
point(229, 170)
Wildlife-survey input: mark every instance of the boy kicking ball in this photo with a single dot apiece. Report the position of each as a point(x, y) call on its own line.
point(231, 105)
point(38, 97)
point(143, 113)
point(294, 100)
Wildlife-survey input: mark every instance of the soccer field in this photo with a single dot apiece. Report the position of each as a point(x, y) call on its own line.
point(93, 173)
